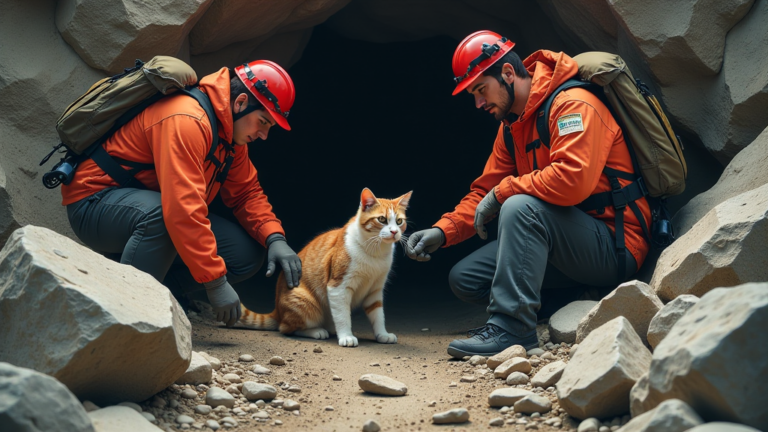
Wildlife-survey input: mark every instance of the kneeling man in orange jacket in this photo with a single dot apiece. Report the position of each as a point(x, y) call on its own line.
point(544, 239)
point(163, 226)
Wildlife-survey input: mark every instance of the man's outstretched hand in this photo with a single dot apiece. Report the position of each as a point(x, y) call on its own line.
point(424, 242)
point(224, 300)
point(278, 251)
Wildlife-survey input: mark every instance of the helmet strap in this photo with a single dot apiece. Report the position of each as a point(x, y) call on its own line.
point(247, 110)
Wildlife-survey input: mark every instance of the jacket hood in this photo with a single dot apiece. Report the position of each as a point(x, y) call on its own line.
point(216, 86)
point(548, 70)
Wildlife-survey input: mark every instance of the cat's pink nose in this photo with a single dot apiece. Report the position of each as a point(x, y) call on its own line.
point(394, 233)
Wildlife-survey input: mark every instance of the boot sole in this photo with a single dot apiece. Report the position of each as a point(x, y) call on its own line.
point(457, 353)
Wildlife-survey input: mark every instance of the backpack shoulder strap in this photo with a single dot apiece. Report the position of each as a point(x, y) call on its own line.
point(205, 102)
point(542, 119)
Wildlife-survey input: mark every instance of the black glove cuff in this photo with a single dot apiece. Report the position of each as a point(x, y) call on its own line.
point(273, 238)
point(442, 237)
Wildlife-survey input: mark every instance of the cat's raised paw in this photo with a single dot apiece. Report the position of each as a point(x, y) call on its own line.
point(386, 338)
point(347, 341)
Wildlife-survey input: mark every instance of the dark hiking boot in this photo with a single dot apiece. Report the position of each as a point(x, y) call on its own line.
point(489, 340)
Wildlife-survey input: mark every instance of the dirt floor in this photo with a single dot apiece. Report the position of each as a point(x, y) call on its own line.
point(424, 327)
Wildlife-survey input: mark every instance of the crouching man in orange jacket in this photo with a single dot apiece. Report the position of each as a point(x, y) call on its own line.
point(545, 239)
point(177, 175)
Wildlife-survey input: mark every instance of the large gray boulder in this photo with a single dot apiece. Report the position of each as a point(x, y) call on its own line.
point(564, 323)
point(110, 34)
point(662, 323)
point(672, 415)
point(31, 401)
point(8, 223)
point(726, 248)
point(108, 331)
point(714, 358)
point(597, 380)
point(745, 172)
point(39, 76)
point(634, 300)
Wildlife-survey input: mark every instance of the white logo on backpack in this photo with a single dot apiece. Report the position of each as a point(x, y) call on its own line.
point(569, 124)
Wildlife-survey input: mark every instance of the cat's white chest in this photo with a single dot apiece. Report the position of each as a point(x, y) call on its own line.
point(367, 271)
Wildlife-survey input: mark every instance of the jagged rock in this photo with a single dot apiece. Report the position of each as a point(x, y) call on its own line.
point(31, 401)
point(110, 35)
point(8, 223)
point(597, 380)
point(458, 415)
point(722, 427)
point(233, 22)
point(726, 248)
point(703, 360)
point(723, 110)
point(119, 335)
point(548, 375)
point(514, 351)
point(672, 415)
point(120, 419)
point(255, 391)
point(506, 396)
point(745, 172)
point(381, 385)
point(677, 48)
point(533, 403)
point(564, 323)
point(198, 372)
point(662, 323)
point(27, 128)
point(515, 364)
point(634, 300)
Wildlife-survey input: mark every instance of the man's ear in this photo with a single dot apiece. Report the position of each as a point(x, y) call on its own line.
point(240, 103)
point(508, 73)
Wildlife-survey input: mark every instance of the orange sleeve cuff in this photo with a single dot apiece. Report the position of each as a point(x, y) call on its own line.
point(450, 230)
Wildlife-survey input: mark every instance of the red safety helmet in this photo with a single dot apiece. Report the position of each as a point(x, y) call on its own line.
point(271, 85)
point(476, 53)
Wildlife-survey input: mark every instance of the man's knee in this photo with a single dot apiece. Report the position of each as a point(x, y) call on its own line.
point(465, 288)
point(519, 206)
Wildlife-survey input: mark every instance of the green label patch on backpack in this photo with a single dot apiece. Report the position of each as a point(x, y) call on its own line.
point(569, 124)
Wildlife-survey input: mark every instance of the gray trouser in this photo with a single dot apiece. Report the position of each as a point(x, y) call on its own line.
point(129, 222)
point(540, 245)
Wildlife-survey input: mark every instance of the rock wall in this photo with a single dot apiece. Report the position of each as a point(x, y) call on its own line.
point(707, 60)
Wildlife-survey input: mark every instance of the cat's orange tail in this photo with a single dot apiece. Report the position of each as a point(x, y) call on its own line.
point(259, 321)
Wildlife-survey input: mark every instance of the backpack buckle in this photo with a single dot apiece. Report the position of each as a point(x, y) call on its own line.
point(617, 194)
point(642, 186)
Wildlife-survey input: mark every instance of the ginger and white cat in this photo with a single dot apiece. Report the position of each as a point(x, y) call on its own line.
point(342, 269)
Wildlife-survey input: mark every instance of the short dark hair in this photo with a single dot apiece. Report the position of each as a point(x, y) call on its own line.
point(513, 59)
point(236, 88)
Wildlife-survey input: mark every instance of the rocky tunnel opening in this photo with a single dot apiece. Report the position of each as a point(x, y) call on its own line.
point(379, 116)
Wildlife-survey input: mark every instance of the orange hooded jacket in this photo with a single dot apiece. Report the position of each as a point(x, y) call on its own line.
point(175, 134)
point(569, 171)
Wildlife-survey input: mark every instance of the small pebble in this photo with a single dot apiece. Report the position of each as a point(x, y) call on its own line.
point(371, 426)
point(149, 416)
point(184, 419)
point(548, 356)
point(498, 421)
point(157, 402)
point(261, 370)
point(229, 420)
point(233, 378)
point(203, 409)
point(328, 408)
point(277, 403)
point(317, 349)
point(477, 360)
point(278, 422)
point(453, 384)
point(604, 429)
point(290, 405)
point(432, 404)
point(457, 415)
point(336, 378)
point(188, 394)
point(468, 378)
point(261, 415)
point(247, 358)
point(277, 361)
point(374, 364)
point(294, 389)
point(213, 424)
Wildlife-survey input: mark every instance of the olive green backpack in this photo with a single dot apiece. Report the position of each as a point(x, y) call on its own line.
point(111, 103)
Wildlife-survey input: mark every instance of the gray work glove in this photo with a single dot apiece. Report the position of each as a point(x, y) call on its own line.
point(278, 251)
point(224, 300)
point(487, 207)
point(424, 242)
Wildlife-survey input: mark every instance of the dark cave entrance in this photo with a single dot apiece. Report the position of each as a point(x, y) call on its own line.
point(379, 116)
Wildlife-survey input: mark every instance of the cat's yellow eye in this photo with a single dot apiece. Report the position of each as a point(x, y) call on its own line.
point(382, 219)
point(399, 221)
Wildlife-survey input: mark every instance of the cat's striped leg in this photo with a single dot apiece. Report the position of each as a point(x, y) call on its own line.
point(339, 300)
point(374, 309)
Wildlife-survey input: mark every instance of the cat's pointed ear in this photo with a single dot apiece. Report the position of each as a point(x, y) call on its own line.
point(367, 199)
point(404, 200)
